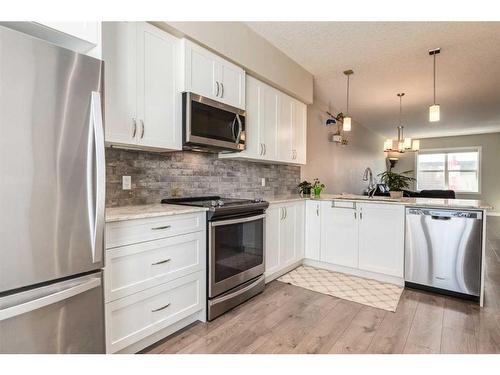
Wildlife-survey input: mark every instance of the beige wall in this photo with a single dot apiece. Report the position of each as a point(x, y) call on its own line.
point(340, 168)
point(237, 42)
point(490, 163)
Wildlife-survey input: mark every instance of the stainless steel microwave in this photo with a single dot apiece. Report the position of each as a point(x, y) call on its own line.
point(208, 125)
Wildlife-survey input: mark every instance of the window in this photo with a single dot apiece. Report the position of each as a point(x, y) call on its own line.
point(449, 169)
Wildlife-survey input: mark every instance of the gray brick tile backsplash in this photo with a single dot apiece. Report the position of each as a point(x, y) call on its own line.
point(184, 173)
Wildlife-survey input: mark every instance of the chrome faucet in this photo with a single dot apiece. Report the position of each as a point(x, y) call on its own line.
point(372, 187)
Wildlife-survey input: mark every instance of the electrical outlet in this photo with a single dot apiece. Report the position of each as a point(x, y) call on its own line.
point(263, 181)
point(126, 182)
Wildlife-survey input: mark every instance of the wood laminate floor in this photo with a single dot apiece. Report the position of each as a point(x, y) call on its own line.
point(289, 319)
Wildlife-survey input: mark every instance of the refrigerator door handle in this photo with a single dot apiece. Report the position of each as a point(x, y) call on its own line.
point(96, 183)
point(46, 298)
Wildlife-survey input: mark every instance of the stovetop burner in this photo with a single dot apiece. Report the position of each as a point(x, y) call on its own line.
point(219, 206)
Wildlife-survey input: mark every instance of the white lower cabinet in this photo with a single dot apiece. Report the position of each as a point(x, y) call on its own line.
point(155, 278)
point(284, 237)
point(313, 230)
point(365, 239)
point(339, 234)
point(381, 238)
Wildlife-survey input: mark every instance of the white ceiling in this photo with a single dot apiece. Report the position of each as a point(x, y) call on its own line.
point(392, 57)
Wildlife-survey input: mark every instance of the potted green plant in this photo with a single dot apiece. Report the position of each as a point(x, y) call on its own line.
point(305, 187)
point(396, 182)
point(317, 186)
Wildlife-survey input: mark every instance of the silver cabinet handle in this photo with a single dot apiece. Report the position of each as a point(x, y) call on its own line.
point(355, 215)
point(261, 149)
point(240, 129)
point(317, 210)
point(265, 148)
point(361, 215)
point(134, 132)
point(161, 262)
point(217, 88)
point(286, 212)
point(142, 129)
point(282, 215)
point(221, 90)
point(162, 227)
point(161, 308)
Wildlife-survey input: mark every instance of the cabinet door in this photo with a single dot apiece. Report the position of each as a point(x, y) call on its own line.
point(287, 236)
point(299, 230)
point(285, 128)
point(273, 226)
point(157, 97)
point(339, 235)
point(232, 84)
point(201, 71)
point(119, 51)
point(381, 238)
point(253, 120)
point(269, 123)
point(299, 132)
point(312, 230)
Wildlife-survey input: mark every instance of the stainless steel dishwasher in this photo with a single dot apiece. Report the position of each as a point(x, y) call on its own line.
point(443, 250)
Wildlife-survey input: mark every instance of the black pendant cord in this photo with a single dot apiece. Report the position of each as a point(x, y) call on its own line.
point(347, 110)
point(434, 79)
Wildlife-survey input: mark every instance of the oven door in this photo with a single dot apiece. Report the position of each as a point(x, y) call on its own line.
point(210, 123)
point(236, 252)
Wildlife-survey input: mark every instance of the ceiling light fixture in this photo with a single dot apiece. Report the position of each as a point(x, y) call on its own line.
point(434, 115)
point(346, 126)
point(402, 144)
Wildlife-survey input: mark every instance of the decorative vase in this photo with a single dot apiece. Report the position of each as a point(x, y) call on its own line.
point(396, 194)
point(317, 192)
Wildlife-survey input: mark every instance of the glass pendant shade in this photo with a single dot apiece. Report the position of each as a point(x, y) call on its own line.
point(434, 113)
point(407, 143)
point(347, 124)
point(415, 145)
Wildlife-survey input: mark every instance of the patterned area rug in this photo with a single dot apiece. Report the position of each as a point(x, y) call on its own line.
point(352, 288)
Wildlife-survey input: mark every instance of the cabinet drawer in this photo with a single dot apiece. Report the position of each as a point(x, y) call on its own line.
point(135, 317)
point(133, 268)
point(139, 230)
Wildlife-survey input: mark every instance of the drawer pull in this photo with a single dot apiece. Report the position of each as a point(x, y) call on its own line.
point(162, 227)
point(160, 262)
point(161, 308)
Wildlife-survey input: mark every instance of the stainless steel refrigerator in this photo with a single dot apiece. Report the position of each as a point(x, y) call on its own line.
point(52, 174)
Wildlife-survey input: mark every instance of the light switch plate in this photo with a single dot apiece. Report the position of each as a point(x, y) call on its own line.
point(263, 181)
point(126, 182)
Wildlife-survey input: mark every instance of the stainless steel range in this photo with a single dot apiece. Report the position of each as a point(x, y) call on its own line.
point(236, 249)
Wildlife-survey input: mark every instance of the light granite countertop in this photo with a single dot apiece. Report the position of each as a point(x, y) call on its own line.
point(419, 202)
point(148, 210)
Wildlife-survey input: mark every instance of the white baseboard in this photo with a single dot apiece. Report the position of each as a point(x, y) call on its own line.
point(282, 271)
point(160, 335)
point(356, 272)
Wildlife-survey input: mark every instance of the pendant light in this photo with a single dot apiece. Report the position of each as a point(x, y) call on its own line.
point(434, 115)
point(402, 144)
point(347, 119)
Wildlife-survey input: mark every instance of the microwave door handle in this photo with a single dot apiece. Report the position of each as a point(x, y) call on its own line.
point(240, 128)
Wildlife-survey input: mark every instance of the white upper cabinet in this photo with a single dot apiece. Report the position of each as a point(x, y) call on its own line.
point(83, 37)
point(381, 238)
point(299, 132)
point(275, 126)
point(209, 75)
point(285, 137)
point(142, 95)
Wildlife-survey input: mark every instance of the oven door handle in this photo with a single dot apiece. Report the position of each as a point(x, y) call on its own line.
point(237, 221)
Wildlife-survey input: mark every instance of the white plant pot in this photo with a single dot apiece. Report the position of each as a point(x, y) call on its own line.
point(396, 194)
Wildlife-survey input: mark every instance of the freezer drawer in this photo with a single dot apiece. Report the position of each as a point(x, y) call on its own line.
point(443, 249)
point(64, 317)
